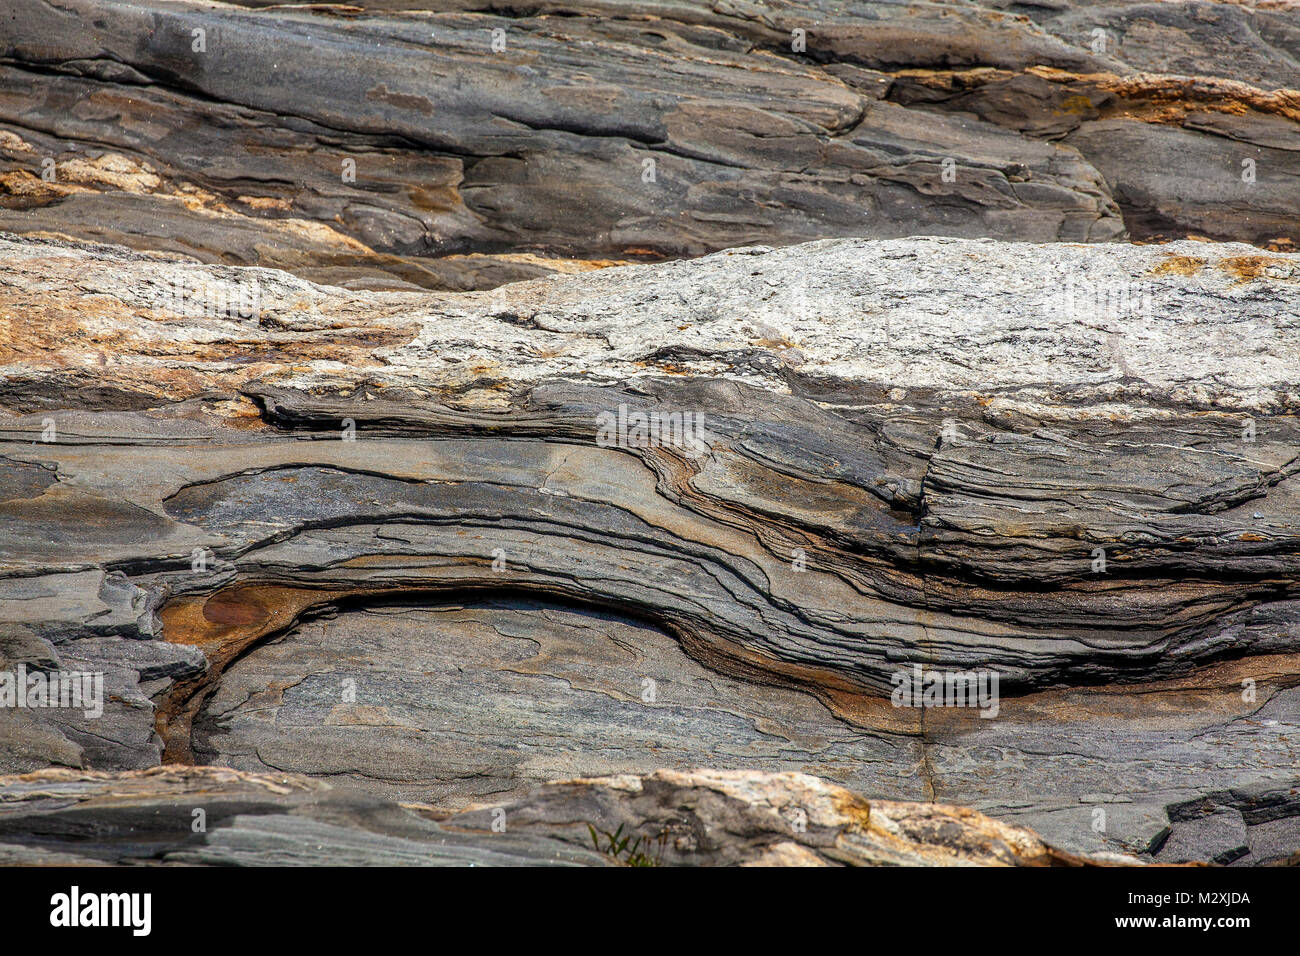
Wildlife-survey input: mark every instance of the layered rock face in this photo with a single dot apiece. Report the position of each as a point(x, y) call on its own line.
point(217, 817)
point(432, 431)
point(442, 548)
point(455, 144)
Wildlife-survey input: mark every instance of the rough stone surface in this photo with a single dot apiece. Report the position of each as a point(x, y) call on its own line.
point(463, 702)
point(377, 538)
point(211, 816)
point(602, 130)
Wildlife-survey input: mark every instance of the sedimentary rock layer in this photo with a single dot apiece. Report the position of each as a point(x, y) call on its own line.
point(216, 817)
point(445, 547)
point(456, 144)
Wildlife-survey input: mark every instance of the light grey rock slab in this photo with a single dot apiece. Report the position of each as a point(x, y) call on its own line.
point(1220, 837)
point(218, 817)
point(450, 705)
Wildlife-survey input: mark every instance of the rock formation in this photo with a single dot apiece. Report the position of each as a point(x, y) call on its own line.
point(443, 548)
point(54, 817)
point(795, 432)
point(460, 144)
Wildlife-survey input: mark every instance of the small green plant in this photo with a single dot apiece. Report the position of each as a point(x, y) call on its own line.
point(624, 848)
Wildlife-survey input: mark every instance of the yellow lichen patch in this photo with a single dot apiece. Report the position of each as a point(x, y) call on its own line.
point(1246, 268)
point(669, 368)
point(320, 232)
point(198, 200)
point(562, 266)
point(853, 808)
point(20, 182)
point(113, 170)
point(14, 142)
point(781, 343)
point(1179, 266)
point(1078, 103)
point(266, 202)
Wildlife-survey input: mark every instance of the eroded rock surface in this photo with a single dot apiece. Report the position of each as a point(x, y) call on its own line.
point(458, 144)
point(463, 702)
point(218, 817)
point(401, 541)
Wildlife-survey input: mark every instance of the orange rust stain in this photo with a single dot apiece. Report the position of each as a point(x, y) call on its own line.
point(223, 625)
point(1147, 97)
point(225, 608)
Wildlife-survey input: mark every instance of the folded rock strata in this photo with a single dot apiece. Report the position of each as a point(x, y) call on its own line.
point(455, 144)
point(409, 542)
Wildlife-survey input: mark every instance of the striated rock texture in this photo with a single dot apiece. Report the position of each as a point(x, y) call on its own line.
point(217, 817)
point(460, 144)
point(414, 543)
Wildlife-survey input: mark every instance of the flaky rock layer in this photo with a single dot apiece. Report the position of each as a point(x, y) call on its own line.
point(692, 818)
point(450, 546)
point(460, 144)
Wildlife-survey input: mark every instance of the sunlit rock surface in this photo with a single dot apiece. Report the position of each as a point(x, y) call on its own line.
point(461, 144)
point(413, 544)
point(212, 816)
